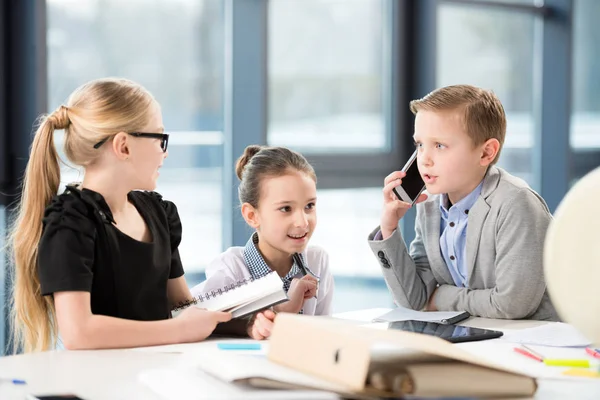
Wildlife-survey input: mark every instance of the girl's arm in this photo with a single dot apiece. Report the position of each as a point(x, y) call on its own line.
point(81, 330)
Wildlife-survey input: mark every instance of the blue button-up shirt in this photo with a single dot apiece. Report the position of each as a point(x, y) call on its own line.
point(453, 234)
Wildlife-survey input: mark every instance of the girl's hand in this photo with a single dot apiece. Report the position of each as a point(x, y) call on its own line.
point(261, 325)
point(196, 324)
point(300, 290)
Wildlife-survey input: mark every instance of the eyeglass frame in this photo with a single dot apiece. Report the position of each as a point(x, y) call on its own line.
point(163, 136)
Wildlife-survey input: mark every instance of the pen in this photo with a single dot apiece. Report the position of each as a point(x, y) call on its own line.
point(305, 271)
point(457, 318)
point(593, 352)
point(567, 363)
point(13, 381)
point(532, 351)
point(554, 362)
point(528, 354)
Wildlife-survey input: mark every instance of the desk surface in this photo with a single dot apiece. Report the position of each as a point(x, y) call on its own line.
point(114, 374)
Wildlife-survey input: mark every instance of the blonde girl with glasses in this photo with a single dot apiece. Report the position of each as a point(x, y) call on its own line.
point(98, 266)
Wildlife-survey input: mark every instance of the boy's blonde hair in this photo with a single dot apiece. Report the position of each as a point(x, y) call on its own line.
point(95, 111)
point(482, 112)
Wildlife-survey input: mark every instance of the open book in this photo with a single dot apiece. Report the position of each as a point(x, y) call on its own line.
point(241, 298)
point(369, 362)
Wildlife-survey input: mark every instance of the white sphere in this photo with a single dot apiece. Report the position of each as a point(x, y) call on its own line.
point(572, 257)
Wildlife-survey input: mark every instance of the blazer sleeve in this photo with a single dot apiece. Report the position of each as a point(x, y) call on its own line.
point(407, 274)
point(520, 232)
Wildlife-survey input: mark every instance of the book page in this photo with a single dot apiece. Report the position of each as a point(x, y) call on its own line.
point(232, 368)
point(178, 383)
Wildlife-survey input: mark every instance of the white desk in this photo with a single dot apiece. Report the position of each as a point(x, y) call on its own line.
point(114, 374)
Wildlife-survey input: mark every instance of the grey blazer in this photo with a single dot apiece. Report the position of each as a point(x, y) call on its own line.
point(505, 239)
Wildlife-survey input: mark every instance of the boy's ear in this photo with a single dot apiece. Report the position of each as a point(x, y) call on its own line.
point(489, 150)
point(250, 215)
point(120, 146)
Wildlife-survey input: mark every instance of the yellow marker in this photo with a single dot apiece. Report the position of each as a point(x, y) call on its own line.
point(567, 363)
point(586, 373)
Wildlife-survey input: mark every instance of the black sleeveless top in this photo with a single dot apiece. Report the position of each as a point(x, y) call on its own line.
point(81, 250)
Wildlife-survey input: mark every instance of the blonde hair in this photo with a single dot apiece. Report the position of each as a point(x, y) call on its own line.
point(96, 110)
point(482, 112)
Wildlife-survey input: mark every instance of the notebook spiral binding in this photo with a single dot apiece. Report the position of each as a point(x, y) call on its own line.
point(214, 293)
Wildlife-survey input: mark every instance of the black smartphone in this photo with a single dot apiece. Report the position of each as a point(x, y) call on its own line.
point(449, 332)
point(412, 184)
point(54, 397)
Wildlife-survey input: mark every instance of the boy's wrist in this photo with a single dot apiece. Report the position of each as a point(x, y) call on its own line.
point(386, 233)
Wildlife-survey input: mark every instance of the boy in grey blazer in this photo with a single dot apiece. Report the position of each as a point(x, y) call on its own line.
point(480, 234)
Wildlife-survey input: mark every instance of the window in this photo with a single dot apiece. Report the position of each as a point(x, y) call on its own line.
point(330, 68)
point(493, 49)
point(174, 49)
point(346, 217)
point(326, 75)
point(585, 117)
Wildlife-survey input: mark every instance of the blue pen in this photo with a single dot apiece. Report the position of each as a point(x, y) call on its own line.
point(239, 346)
point(13, 381)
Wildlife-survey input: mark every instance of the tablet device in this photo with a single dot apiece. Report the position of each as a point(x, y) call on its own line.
point(449, 332)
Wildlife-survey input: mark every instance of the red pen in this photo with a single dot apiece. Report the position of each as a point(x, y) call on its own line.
point(593, 352)
point(529, 354)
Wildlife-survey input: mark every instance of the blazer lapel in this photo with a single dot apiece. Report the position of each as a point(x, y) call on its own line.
point(432, 240)
point(477, 216)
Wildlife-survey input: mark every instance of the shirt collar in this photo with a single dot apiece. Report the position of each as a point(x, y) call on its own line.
point(257, 266)
point(464, 205)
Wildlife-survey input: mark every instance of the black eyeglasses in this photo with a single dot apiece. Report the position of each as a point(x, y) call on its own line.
point(164, 139)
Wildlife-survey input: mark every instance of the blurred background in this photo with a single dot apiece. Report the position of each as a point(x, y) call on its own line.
point(329, 78)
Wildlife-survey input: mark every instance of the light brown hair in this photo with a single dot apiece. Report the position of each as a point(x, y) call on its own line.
point(481, 111)
point(94, 111)
point(259, 162)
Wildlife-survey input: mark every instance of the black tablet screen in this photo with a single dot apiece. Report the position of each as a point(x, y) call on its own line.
point(451, 333)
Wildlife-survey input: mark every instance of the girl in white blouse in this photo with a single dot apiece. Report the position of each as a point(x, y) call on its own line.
point(278, 198)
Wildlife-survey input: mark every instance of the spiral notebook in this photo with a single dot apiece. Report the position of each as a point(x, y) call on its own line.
point(241, 298)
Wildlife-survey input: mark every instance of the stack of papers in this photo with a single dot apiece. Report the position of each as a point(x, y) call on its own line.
point(556, 334)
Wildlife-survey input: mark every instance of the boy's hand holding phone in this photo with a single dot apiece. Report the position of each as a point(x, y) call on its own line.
point(401, 190)
point(393, 208)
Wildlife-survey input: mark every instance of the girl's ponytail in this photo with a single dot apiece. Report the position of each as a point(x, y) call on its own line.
point(32, 314)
